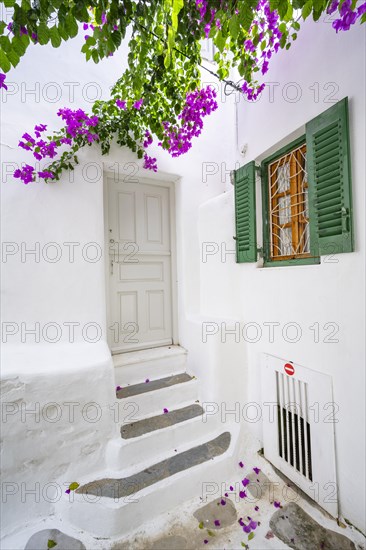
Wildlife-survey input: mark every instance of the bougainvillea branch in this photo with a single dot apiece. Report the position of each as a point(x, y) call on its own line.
point(160, 94)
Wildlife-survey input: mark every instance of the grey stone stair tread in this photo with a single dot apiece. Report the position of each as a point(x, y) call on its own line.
point(118, 488)
point(144, 387)
point(147, 425)
point(293, 526)
point(39, 541)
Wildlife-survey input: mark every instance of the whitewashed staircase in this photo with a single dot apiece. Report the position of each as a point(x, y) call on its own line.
point(161, 459)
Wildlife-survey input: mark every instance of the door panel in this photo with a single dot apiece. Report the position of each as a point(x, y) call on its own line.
point(140, 266)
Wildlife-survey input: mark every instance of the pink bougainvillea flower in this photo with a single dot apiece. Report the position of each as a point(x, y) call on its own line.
point(277, 504)
point(121, 104)
point(245, 482)
point(256, 470)
point(241, 464)
point(242, 494)
point(217, 522)
point(165, 411)
point(269, 535)
point(138, 104)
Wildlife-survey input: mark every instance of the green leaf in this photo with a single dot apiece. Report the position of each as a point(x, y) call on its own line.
point(200, 525)
point(306, 10)
point(71, 25)
point(13, 58)
point(8, 3)
point(251, 536)
point(73, 486)
point(43, 33)
point(55, 37)
point(210, 533)
point(4, 62)
point(234, 26)
point(2, 26)
point(177, 6)
point(51, 543)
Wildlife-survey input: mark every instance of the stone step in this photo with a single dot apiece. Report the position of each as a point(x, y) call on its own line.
point(108, 517)
point(125, 487)
point(134, 367)
point(147, 425)
point(135, 453)
point(150, 399)
point(153, 385)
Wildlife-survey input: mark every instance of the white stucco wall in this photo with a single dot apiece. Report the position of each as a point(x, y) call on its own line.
point(332, 292)
point(45, 295)
point(215, 291)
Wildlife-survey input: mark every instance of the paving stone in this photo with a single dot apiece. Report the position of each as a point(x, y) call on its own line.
point(215, 511)
point(258, 489)
point(300, 531)
point(148, 425)
point(173, 542)
point(118, 488)
point(137, 389)
point(39, 541)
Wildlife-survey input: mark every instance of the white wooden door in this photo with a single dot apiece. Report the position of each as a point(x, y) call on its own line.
point(140, 266)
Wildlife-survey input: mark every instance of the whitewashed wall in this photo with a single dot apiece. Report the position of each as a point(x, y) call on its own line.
point(320, 67)
point(216, 290)
point(72, 363)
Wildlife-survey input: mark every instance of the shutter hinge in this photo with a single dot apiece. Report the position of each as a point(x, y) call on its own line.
point(345, 219)
point(235, 238)
point(260, 251)
point(232, 177)
point(258, 170)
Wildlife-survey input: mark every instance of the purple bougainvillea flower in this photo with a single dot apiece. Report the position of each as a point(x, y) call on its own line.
point(226, 494)
point(223, 502)
point(118, 388)
point(46, 174)
point(241, 464)
point(245, 482)
point(121, 104)
point(2, 81)
point(67, 491)
point(256, 508)
point(150, 163)
point(165, 411)
point(205, 541)
point(246, 529)
point(242, 494)
point(26, 174)
point(85, 26)
point(231, 488)
point(277, 504)
point(138, 104)
point(256, 470)
point(241, 522)
point(147, 381)
point(253, 525)
point(217, 522)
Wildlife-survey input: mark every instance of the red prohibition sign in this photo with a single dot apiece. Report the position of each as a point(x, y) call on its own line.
point(289, 369)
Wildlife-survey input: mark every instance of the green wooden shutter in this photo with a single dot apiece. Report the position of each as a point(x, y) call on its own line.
point(329, 177)
point(245, 219)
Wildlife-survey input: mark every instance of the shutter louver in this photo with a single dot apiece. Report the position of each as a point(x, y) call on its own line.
point(245, 215)
point(329, 177)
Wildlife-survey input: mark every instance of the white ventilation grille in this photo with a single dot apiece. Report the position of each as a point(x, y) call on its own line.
point(299, 436)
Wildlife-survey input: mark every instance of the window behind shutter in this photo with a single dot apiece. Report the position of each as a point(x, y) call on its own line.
point(329, 175)
point(245, 218)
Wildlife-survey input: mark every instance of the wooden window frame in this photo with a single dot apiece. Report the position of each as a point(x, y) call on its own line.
point(301, 259)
